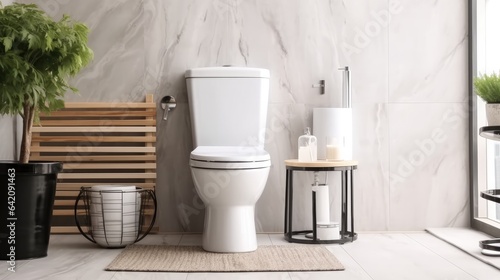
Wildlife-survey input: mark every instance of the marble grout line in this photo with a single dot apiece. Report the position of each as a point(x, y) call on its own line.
point(360, 266)
point(269, 239)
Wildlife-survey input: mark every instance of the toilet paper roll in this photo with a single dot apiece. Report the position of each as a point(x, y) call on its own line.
point(333, 122)
point(322, 203)
point(328, 231)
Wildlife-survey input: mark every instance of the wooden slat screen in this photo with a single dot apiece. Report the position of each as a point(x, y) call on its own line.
point(98, 143)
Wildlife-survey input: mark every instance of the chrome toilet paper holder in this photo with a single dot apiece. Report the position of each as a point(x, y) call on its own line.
point(167, 103)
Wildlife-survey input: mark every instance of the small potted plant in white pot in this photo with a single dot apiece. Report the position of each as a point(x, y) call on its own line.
point(38, 55)
point(488, 88)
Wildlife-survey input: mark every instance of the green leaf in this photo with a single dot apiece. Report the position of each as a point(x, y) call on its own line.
point(38, 57)
point(488, 87)
point(7, 42)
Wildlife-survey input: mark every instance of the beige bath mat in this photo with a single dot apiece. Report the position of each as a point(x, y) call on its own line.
point(194, 259)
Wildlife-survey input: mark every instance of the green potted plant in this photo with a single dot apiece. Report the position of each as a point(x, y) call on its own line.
point(488, 88)
point(38, 55)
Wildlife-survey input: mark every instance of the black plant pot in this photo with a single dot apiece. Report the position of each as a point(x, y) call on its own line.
point(27, 194)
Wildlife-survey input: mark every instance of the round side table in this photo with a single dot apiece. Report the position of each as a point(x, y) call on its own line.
point(346, 168)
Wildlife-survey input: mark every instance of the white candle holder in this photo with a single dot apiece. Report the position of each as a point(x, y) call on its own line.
point(335, 148)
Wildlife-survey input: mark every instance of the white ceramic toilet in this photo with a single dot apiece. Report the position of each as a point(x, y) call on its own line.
point(229, 165)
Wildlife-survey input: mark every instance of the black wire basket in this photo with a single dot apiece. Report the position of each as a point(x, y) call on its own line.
point(115, 217)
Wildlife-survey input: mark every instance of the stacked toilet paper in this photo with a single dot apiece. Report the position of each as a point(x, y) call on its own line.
point(325, 229)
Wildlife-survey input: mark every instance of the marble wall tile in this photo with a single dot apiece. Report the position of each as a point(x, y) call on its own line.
point(117, 39)
point(146, 46)
point(428, 165)
point(360, 30)
point(428, 52)
point(295, 43)
point(179, 35)
point(371, 148)
point(428, 66)
point(180, 208)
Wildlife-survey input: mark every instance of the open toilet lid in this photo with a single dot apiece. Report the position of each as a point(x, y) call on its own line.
point(229, 154)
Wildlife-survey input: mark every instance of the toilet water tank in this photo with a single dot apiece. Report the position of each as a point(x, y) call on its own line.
point(228, 105)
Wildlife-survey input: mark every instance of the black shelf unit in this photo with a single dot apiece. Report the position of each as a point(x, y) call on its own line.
point(490, 133)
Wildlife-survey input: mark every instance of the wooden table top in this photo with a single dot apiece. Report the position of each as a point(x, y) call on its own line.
point(320, 163)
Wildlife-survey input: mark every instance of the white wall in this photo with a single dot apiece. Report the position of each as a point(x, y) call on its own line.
point(7, 138)
point(409, 69)
point(7, 125)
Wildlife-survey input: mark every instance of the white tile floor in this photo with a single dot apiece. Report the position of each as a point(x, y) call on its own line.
point(467, 240)
point(383, 256)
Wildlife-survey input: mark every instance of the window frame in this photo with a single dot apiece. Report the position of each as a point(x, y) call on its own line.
point(479, 223)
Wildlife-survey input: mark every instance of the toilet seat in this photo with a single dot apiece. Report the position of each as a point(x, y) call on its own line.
point(229, 157)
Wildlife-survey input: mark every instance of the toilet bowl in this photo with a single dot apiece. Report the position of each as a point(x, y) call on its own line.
point(229, 181)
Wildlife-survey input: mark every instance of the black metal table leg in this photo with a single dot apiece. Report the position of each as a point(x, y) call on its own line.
point(343, 222)
point(315, 234)
point(290, 202)
point(285, 228)
point(352, 204)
